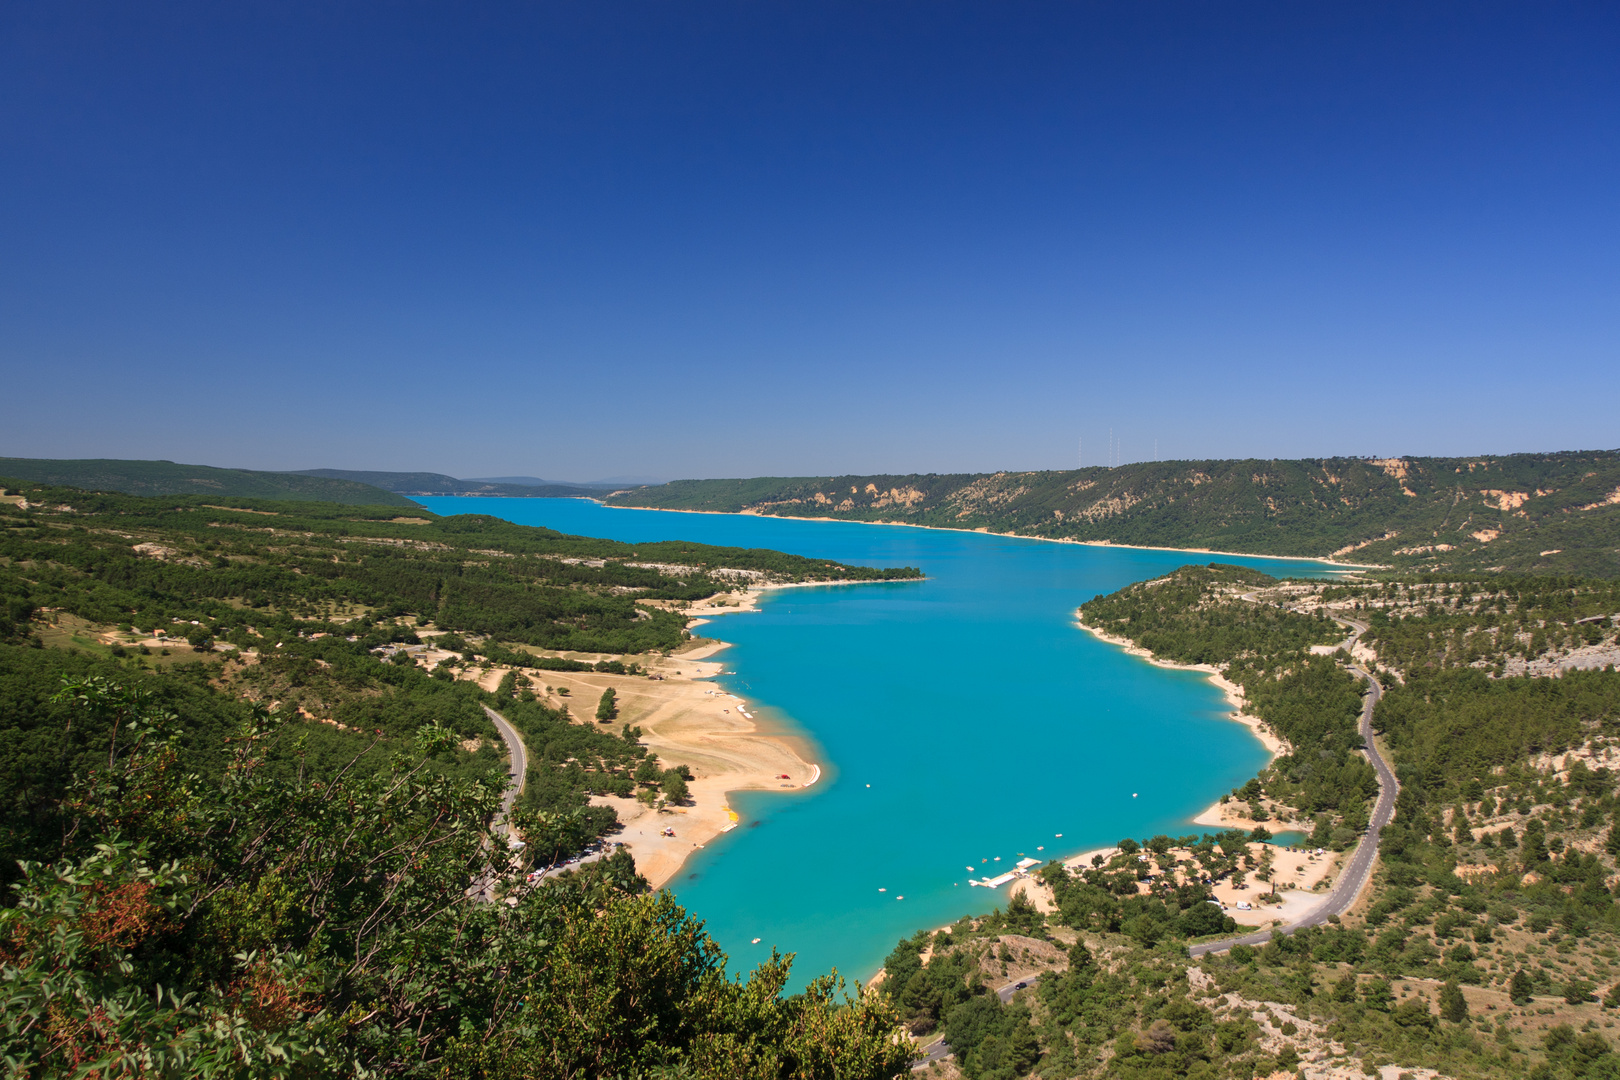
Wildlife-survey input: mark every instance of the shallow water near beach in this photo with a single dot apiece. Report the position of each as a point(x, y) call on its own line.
point(966, 722)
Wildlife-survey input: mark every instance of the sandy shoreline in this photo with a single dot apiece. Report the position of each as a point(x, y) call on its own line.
point(688, 720)
point(1017, 536)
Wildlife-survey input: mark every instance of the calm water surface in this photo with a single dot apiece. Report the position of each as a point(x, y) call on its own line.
point(960, 720)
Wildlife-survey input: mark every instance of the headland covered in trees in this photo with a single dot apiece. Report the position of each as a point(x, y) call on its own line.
point(1546, 513)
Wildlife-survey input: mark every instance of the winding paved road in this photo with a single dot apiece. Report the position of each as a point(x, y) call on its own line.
point(1358, 871)
point(519, 762)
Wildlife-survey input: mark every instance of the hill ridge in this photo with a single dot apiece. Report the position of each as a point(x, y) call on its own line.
point(160, 476)
point(1553, 512)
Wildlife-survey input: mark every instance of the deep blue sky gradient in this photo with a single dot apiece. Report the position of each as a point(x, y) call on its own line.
point(578, 240)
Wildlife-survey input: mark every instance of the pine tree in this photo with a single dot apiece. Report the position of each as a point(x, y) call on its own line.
point(1520, 988)
point(1535, 845)
point(1453, 1006)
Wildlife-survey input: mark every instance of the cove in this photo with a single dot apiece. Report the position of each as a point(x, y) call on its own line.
point(959, 720)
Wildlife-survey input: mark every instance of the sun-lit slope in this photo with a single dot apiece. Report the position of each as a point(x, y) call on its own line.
point(1556, 512)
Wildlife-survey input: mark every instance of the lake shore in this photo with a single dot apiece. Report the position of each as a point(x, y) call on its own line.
point(687, 720)
point(1328, 560)
point(1275, 745)
point(1223, 813)
point(877, 681)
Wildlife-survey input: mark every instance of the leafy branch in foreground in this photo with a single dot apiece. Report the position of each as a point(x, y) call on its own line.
point(271, 925)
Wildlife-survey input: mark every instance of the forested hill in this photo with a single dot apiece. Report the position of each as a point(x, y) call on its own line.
point(249, 794)
point(427, 483)
point(115, 558)
point(1556, 512)
point(169, 478)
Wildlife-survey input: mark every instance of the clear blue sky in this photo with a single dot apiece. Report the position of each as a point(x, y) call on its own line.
point(707, 239)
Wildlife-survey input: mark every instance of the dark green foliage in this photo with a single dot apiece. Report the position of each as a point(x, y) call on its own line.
point(1316, 705)
point(925, 995)
point(1453, 1006)
point(607, 708)
point(1577, 991)
point(45, 741)
point(1378, 995)
point(1191, 616)
point(16, 611)
point(1433, 623)
point(992, 1041)
point(1581, 1055)
point(568, 762)
point(1452, 726)
point(1106, 899)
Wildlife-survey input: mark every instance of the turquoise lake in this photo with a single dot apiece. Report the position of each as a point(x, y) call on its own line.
point(959, 720)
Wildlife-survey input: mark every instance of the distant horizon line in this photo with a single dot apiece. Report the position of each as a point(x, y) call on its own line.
point(627, 481)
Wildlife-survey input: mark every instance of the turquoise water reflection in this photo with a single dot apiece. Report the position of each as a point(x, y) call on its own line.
point(963, 718)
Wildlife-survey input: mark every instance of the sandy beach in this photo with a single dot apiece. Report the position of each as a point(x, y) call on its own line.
point(686, 719)
point(1303, 879)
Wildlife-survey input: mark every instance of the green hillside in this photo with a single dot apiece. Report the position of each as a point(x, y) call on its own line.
point(251, 792)
point(1556, 513)
point(169, 478)
point(427, 483)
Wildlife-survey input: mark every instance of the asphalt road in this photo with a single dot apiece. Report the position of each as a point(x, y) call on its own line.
point(1358, 871)
point(519, 756)
point(939, 1049)
point(484, 887)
